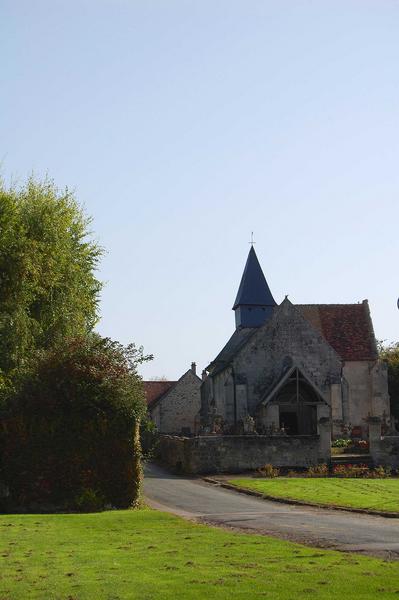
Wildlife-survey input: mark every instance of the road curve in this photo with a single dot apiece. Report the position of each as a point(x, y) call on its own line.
point(193, 498)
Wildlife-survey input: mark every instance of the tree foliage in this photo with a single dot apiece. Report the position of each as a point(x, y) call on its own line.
point(70, 401)
point(48, 287)
point(70, 432)
point(390, 355)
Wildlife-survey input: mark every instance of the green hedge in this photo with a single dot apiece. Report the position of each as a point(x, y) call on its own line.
point(68, 433)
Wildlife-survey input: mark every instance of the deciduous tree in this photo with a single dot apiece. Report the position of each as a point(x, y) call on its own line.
point(48, 285)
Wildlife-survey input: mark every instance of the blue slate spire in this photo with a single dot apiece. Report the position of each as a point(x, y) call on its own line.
point(254, 302)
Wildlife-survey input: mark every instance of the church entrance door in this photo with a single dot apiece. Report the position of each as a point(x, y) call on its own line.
point(289, 421)
point(297, 406)
point(299, 420)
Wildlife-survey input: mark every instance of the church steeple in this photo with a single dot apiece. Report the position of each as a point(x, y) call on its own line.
point(254, 302)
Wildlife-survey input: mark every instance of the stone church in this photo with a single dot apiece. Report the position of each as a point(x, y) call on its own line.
point(287, 368)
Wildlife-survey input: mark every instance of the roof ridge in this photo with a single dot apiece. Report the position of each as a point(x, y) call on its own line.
point(159, 380)
point(331, 304)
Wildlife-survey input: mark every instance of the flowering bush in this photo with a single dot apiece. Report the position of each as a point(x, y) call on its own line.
point(348, 445)
point(318, 471)
point(379, 472)
point(362, 444)
point(351, 470)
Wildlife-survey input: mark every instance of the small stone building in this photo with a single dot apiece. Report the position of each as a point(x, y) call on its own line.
point(174, 406)
point(287, 368)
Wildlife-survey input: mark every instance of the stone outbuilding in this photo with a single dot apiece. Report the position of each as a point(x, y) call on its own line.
point(174, 406)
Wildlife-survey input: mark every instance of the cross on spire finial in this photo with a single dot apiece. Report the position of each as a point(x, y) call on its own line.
point(252, 239)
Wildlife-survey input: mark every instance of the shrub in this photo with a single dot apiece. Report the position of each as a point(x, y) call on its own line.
point(89, 501)
point(341, 443)
point(267, 471)
point(149, 438)
point(380, 472)
point(70, 431)
point(292, 473)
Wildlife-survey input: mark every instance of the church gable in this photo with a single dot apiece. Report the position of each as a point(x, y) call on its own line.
point(289, 334)
point(297, 379)
point(286, 339)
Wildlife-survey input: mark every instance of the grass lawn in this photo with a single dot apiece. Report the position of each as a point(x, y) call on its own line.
point(376, 494)
point(149, 555)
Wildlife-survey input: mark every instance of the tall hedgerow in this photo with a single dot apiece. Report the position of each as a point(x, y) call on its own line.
point(70, 432)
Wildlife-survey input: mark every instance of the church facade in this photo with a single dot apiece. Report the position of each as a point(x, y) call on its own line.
point(288, 368)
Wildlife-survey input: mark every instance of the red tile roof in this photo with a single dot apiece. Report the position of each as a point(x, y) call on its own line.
point(346, 327)
point(155, 389)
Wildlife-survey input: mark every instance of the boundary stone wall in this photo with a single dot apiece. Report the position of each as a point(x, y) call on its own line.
point(237, 453)
point(384, 450)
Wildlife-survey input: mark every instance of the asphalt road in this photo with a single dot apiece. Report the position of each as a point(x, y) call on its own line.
point(194, 499)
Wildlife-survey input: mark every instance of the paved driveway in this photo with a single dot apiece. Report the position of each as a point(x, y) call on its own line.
point(193, 498)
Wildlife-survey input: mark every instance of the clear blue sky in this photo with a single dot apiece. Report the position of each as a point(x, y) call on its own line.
point(185, 125)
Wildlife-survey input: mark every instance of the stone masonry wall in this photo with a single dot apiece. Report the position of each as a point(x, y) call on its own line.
point(365, 393)
point(384, 450)
point(358, 376)
point(234, 454)
point(180, 406)
point(286, 338)
point(172, 451)
point(380, 392)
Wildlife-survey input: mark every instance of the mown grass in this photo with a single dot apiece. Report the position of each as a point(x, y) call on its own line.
point(149, 555)
point(375, 494)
